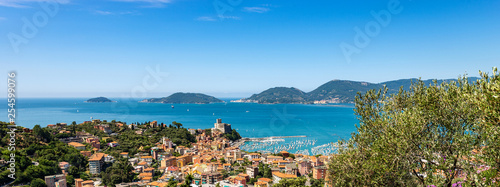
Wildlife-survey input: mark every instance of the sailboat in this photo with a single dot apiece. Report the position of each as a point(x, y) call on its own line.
point(172, 106)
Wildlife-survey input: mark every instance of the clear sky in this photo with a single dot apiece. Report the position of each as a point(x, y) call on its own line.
point(88, 48)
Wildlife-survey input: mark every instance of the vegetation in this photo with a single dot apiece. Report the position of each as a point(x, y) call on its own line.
point(233, 135)
point(429, 135)
point(185, 98)
point(296, 182)
point(120, 171)
point(38, 155)
point(279, 95)
point(317, 182)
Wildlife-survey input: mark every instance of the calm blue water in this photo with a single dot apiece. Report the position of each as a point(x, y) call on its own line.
point(324, 123)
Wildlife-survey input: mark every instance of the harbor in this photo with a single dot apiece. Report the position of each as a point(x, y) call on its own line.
point(293, 144)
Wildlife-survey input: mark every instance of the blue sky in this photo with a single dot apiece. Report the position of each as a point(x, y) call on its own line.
point(90, 48)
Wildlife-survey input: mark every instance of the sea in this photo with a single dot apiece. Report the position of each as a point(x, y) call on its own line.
point(317, 125)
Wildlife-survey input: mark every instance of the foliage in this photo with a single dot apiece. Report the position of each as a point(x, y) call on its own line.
point(120, 171)
point(187, 181)
point(296, 182)
point(422, 136)
point(317, 182)
point(38, 183)
point(233, 136)
point(280, 95)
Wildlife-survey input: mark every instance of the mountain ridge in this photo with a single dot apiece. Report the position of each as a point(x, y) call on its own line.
point(334, 91)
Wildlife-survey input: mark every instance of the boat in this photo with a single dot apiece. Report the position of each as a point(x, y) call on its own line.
point(172, 106)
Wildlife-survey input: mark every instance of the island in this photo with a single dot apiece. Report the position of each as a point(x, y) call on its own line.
point(99, 100)
point(184, 98)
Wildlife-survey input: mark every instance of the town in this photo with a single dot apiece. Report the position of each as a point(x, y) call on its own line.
point(152, 154)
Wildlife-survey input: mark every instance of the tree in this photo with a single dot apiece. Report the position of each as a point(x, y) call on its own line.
point(187, 181)
point(178, 125)
point(296, 182)
point(38, 183)
point(171, 182)
point(317, 182)
point(422, 136)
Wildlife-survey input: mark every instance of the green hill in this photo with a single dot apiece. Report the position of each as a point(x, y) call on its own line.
point(335, 91)
point(185, 98)
point(279, 95)
point(340, 91)
point(99, 100)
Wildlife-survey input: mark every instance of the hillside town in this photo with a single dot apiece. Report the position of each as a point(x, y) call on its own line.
point(213, 159)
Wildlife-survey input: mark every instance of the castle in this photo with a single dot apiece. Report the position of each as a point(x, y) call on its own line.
point(223, 127)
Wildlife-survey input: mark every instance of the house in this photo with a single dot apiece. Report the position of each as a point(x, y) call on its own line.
point(192, 131)
point(94, 142)
point(240, 181)
point(77, 145)
point(167, 142)
point(56, 180)
point(285, 154)
point(256, 161)
point(149, 170)
point(109, 158)
point(113, 144)
point(304, 167)
point(148, 159)
point(291, 169)
point(78, 182)
point(71, 139)
point(104, 128)
point(95, 163)
point(210, 177)
point(266, 181)
point(153, 124)
point(247, 177)
point(319, 172)
point(52, 126)
point(227, 166)
point(271, 159)
point(88, 183)
point(260, 184)
point(240, 160)
point(252, 171)
point(169, 161)
point(172, 170)
point(277, 176)
point(181, 150)
point(144, 175)
point(124, 154)
point(64, 166)
point(86, 153)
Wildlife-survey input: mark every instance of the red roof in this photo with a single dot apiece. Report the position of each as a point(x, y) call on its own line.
point(172, 168)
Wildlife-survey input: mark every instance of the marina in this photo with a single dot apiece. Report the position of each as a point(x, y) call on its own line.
point(292, 144)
